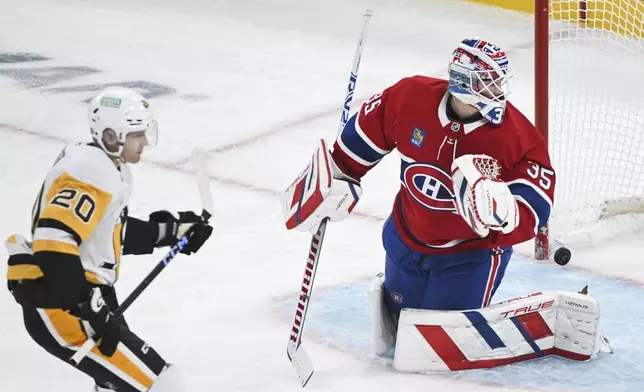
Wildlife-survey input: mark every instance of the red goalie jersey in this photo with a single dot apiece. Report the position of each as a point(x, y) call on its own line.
point(414, 117)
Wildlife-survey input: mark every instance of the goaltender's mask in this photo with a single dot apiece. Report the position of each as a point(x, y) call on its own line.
point(480, 75)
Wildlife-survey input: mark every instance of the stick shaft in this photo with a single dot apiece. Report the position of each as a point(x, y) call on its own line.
point(295, 351)
point(353, 76)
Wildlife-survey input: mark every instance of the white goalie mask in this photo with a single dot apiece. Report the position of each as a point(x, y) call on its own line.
point(124, 111)
point(480, 75)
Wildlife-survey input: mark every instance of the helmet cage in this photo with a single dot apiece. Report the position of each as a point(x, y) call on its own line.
point(481, 79)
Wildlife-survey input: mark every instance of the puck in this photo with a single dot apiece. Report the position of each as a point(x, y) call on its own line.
point(562, 256)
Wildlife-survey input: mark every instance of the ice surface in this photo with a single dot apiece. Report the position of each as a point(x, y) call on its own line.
point(256, 83)
point(340, 317)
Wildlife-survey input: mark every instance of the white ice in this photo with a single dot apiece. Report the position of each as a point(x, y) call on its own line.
point(264, 80)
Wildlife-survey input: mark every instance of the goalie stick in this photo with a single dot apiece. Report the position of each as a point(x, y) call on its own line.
point(294, 349)
point(199, 160)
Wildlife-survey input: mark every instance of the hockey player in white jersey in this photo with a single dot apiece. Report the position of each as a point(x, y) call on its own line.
point(63, 277)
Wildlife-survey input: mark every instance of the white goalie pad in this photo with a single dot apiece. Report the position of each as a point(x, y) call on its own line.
point(382, 325)
point(559, 323)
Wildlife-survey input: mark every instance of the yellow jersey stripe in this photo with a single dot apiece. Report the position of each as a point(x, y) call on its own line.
point(24, 271)
point(116, 238)
point(92, 277)
point(123, 363)
point(67, 326)
point(55, 246)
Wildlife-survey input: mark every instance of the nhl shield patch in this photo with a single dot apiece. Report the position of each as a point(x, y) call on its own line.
point(417, 137)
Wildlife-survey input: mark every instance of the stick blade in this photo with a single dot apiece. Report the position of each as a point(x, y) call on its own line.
point(200, 163)
point(301, 363)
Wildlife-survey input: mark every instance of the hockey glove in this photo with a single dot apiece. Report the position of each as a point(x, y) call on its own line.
point(99, 322)
point(483, 201)
point(173, 226)
point(320, 191)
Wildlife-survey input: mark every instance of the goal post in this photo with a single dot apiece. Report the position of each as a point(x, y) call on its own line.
point(589, 104)
point(542, 245)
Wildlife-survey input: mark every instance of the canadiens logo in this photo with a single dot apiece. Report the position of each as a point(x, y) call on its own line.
point(397, 298)
point(430, 186)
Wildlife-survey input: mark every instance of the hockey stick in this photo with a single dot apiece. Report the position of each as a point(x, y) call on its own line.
point(294, 349)
point(296, 354)
point(118, 313)
point(199, 161)
point(353, 77)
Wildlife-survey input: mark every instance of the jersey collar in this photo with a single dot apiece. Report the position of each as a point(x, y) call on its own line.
point(444, 119)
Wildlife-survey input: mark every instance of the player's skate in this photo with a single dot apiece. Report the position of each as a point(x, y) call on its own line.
point(384, 326)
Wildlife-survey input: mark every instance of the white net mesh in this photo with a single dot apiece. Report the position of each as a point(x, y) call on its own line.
point(596, 107)
point(489, 167)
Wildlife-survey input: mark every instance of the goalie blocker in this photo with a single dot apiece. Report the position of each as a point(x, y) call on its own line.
point(561, 323)
point(320, 191)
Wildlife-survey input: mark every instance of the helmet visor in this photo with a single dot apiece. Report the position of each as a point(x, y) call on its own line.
point(152, 133)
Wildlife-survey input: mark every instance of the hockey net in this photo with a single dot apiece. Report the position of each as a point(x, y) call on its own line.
point(594, 114)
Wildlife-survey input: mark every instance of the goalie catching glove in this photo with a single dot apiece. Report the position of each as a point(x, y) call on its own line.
point(482, 200)
point(320, 191)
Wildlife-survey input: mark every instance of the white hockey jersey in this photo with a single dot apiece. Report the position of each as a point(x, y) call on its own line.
point(83, 201)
